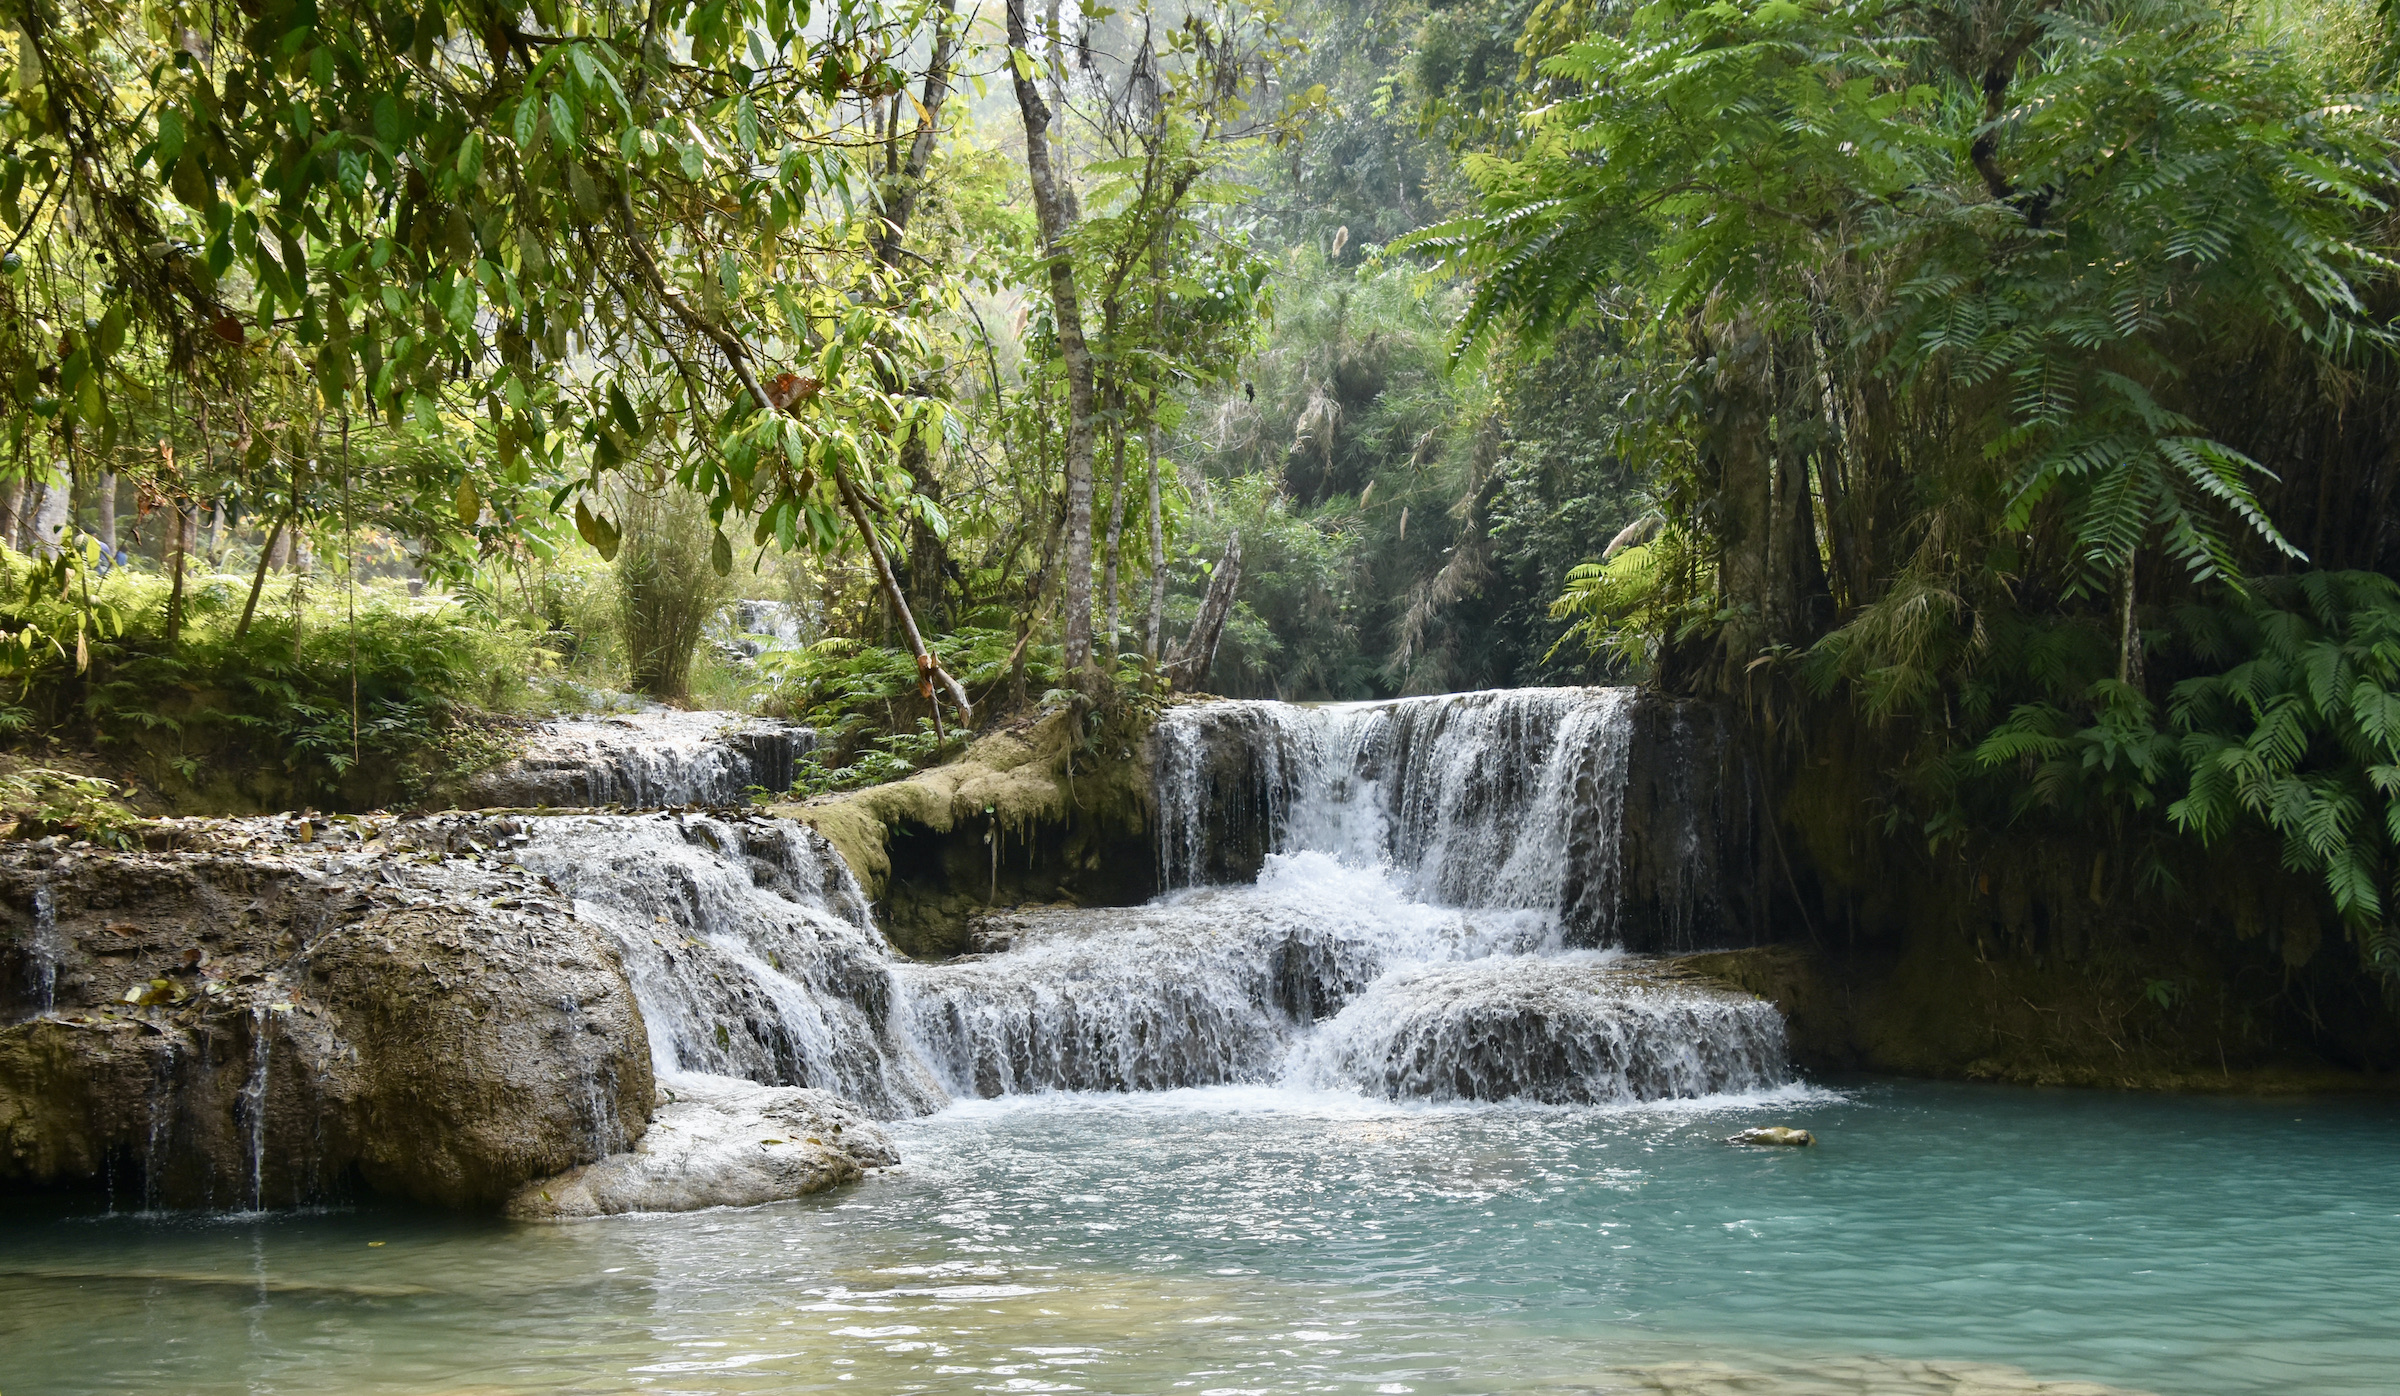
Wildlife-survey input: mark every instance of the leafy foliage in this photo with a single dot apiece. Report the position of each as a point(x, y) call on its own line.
point(305, 691)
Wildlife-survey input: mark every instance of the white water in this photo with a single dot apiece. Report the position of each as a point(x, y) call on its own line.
point(1425, 866)
point(1512, 798)
point(749, 947)
point(753, 628)
point(1427, 872)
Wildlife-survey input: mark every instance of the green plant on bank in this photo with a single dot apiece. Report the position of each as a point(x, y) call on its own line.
point(2291, 728)
point(863, 700)
point(1995, 374)
point(667, 587)
point(306, 688)
point(38, 800)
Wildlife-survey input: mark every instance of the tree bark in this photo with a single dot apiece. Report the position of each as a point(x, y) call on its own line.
point(1199, 652)
point(1158, 544)
point(928, 558)
point(186, 524)
point(104, 500)
point(258, 580)
point(1736, 445)
point(1052, 213)
point(1116, 538)
point(12, 512)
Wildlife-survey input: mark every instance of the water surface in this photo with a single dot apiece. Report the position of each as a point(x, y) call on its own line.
point(1941, 1239)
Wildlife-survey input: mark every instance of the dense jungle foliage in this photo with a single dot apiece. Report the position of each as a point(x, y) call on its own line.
point(1991, 401)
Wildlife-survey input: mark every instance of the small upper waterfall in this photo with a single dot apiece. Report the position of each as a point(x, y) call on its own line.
point(1501, 799)
point(654, 758)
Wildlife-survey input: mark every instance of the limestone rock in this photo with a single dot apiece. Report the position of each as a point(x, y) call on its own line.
point(654, 758)
point(1774, 1135)
point(348, 1004)
point(719, 1142)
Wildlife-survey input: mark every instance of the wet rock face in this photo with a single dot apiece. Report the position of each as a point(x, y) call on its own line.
point(271, 1011)
point(719, 1143)
point(1696, 867)
point(1573, 1030)
point(653, 759)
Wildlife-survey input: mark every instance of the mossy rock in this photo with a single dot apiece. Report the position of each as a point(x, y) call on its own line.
point(1054, 807)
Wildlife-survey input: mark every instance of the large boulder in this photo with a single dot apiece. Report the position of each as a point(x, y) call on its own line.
point(270, 1011)
point(719, 1142)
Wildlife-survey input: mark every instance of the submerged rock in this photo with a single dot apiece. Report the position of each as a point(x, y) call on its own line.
point(349, 1007)
point(1774, 1135)
point(719, 1142)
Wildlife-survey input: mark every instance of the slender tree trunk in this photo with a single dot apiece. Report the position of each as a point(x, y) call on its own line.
point(1737, 446)
point(1052, 213)
point(1158, 543)
point(928, 557)
point(258, 580)
point(186, 524)
point(1116, 538)
point(1199, 654)
point(2129, 636)
point(104, 498)
point(12, 512)
point(216, 534)
point(52, 519)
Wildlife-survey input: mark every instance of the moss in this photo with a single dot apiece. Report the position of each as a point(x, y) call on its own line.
point(1053, 807)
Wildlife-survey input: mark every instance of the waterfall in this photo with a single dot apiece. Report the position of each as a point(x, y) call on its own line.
point(250, 1105)
point(42, 965)
point(1412, 899)
point(1381, 897)
point(752, 628)
point(1501, 799)
point(748, 945)
point(657, 758)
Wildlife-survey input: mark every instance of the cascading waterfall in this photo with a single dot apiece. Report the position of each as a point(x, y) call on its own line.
point(43, 965)
point(749, 947)
point(251, 1105)
point(1499, 799)
point(1424, 871)
point(753, 628)
point(1410, 899)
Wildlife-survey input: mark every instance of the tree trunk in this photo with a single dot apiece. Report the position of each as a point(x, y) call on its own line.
point(1158, 544)
point(928, 558)
point(1052, 213)
point(50, 520)
point(2129, 635)
point(258, 580)
point(1199, 652)
point(1116, 538)
point(104, 498)
point(12, 512)
point(1737, 446)
point(187, 523)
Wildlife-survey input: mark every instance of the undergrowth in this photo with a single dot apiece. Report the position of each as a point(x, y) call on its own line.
point(333, 703)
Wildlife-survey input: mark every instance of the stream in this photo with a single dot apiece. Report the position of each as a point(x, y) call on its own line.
point(1942, 1239)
